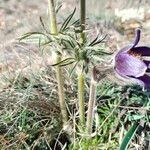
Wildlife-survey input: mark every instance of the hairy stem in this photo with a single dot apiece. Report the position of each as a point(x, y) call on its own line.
point(61, 91)
point(91, 105)
point(82, 20)
point(52, 14)
point(60, 81)
point(81, 100)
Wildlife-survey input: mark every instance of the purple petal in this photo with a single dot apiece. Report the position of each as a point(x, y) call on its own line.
point(131, 80)
point(147, 62)
point(125, 49)
point(132, 45)
point(137, 37)
point(142, 50)
point(146, 80)
point(128, 65)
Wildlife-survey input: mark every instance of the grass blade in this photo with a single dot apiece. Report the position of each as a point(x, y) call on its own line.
point(128, 136)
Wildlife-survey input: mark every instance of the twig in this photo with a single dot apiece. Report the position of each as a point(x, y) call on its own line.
point(137, 108)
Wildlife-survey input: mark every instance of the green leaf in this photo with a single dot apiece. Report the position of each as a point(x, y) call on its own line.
point(43, 25)
point(34, 37)
point(97, 41)
point(65, 62)
point(96, 51)
point(76, 23)
point(101, 53)
point(73, 68)
point(136, 117)
point(58, 8)
point(94, 40)
point(68, 44)
point(66, 22)
point(129, 136)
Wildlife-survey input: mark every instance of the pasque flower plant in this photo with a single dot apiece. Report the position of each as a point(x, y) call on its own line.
point(71, 47)
point(132, 63)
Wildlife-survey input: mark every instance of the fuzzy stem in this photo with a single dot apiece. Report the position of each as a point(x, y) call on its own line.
point(91, 105)
point(59, 76)
point(81, 100)
point(61, 91)
point(52, 13)
point(82, 20)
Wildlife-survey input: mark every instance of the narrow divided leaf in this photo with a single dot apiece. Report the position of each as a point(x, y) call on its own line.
point(67, 21)
point(94, 52)
point(76, 23)
point(94, 40)
point(97, 41)
point(34, 37)
point(65, 62)
point(73, 68)
point(58, 8)
point(43, 25)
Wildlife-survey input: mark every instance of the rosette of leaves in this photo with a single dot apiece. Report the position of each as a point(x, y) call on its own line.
point(67, 40)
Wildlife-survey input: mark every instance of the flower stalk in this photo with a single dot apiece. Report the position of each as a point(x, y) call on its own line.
point(81, 77)
point(81, 82)
point(59, 76)
point(82, 20)
point(91, 105)
point(52, 15)
point(60, 82)
point(96, 76)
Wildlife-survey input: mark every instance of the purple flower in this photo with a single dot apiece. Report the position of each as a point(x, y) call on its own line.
point(132, 63)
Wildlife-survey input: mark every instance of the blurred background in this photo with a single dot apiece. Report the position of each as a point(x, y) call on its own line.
point(116, 18)
point(19, 16)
